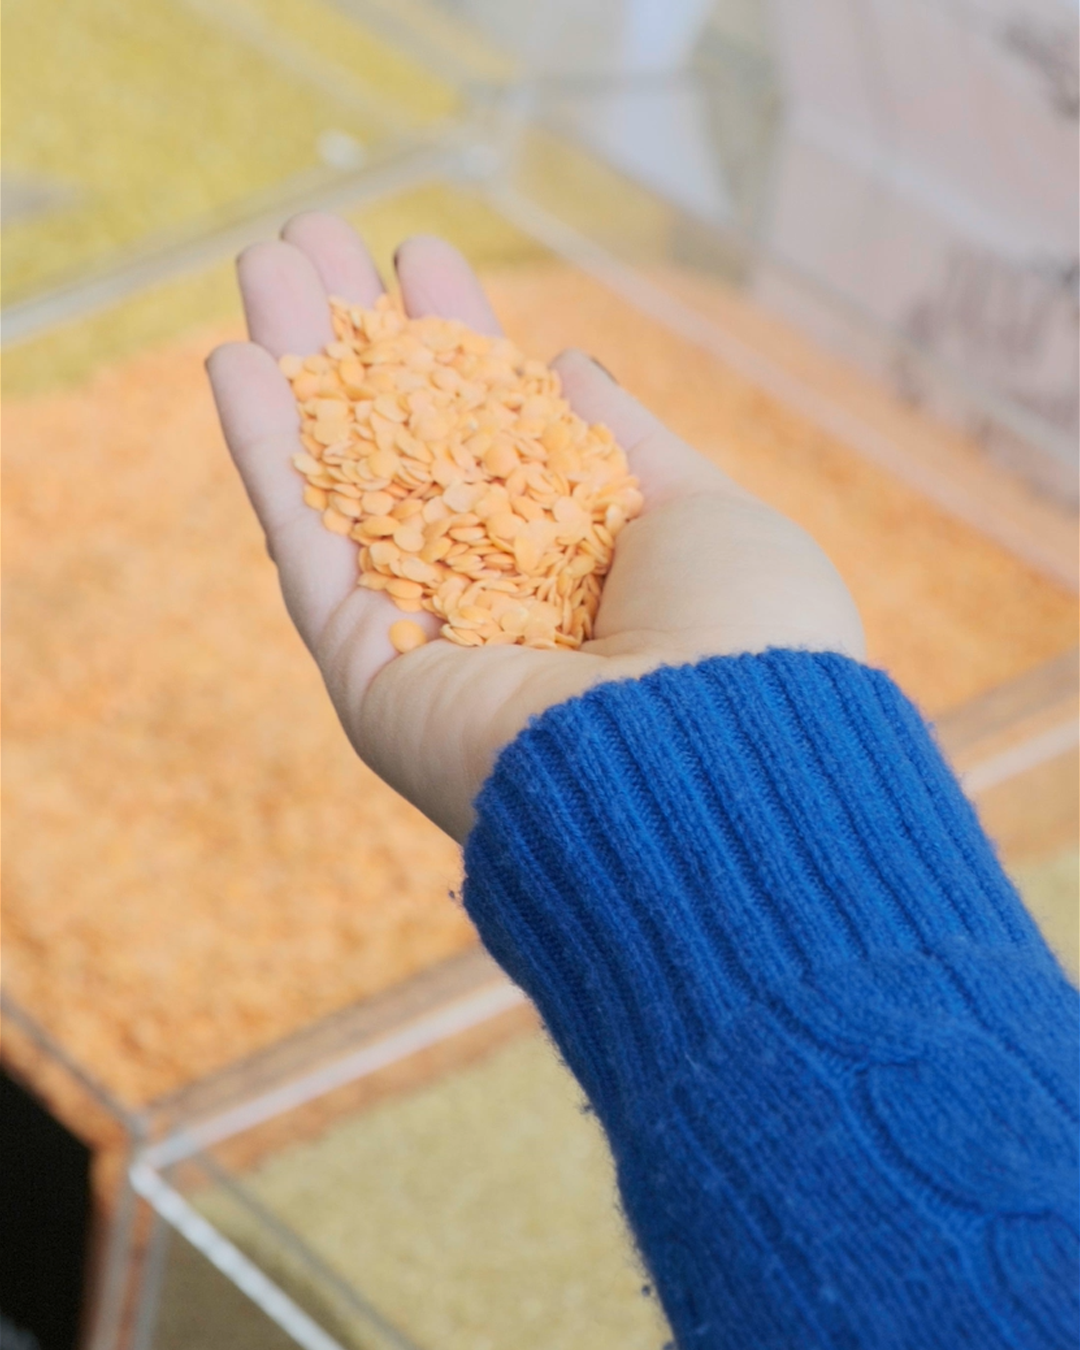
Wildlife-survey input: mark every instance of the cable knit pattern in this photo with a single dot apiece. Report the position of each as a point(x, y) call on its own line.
point(835, 1060)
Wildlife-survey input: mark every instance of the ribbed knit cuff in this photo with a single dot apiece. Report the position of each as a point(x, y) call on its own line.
point(834, 1059)
point(712, 832)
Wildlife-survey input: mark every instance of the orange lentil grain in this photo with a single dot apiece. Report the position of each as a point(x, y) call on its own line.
point(472, 488)
point(376, 526)
point(403, 589)
point(409, 539)
point(406, 636)
point(335, 522)
point(376, 503)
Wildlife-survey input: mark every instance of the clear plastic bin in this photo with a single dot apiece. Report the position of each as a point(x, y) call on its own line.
point(408, 119)
point(142, 142)
point(698, 144)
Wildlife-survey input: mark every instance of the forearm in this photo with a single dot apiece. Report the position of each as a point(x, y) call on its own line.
point(826, 1041)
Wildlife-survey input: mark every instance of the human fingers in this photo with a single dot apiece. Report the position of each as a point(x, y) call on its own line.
point(665, 466)
point(259, 418)
point(286, 307)
point(338, 254)
point(284, 299)
point(436, 279)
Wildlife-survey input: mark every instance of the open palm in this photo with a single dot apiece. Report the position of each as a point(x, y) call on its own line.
point(705, 570)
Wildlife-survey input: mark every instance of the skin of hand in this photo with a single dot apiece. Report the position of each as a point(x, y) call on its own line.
point(706, 570)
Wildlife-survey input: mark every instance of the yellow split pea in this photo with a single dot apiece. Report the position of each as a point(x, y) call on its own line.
point(455, 463)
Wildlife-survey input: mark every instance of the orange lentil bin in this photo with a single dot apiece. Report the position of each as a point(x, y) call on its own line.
point(457, 466)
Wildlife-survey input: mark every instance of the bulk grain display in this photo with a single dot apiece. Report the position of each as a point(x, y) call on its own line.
point(197, 864)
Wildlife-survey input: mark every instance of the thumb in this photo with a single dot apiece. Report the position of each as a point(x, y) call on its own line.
point(666, 466)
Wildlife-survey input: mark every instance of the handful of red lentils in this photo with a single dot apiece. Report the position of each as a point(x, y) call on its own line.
point(457, 466)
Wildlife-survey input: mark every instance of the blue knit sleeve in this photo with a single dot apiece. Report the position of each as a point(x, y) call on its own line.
point(835, 1061)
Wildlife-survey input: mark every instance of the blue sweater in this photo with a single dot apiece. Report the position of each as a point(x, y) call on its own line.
point(835, 1061)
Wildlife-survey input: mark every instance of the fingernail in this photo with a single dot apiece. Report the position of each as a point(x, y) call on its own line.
point(604, 369)
point(401, 249)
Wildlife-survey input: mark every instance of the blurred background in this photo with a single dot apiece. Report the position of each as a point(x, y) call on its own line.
point(832, 242)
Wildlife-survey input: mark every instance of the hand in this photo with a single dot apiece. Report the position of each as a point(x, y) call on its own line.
point(706, 569)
